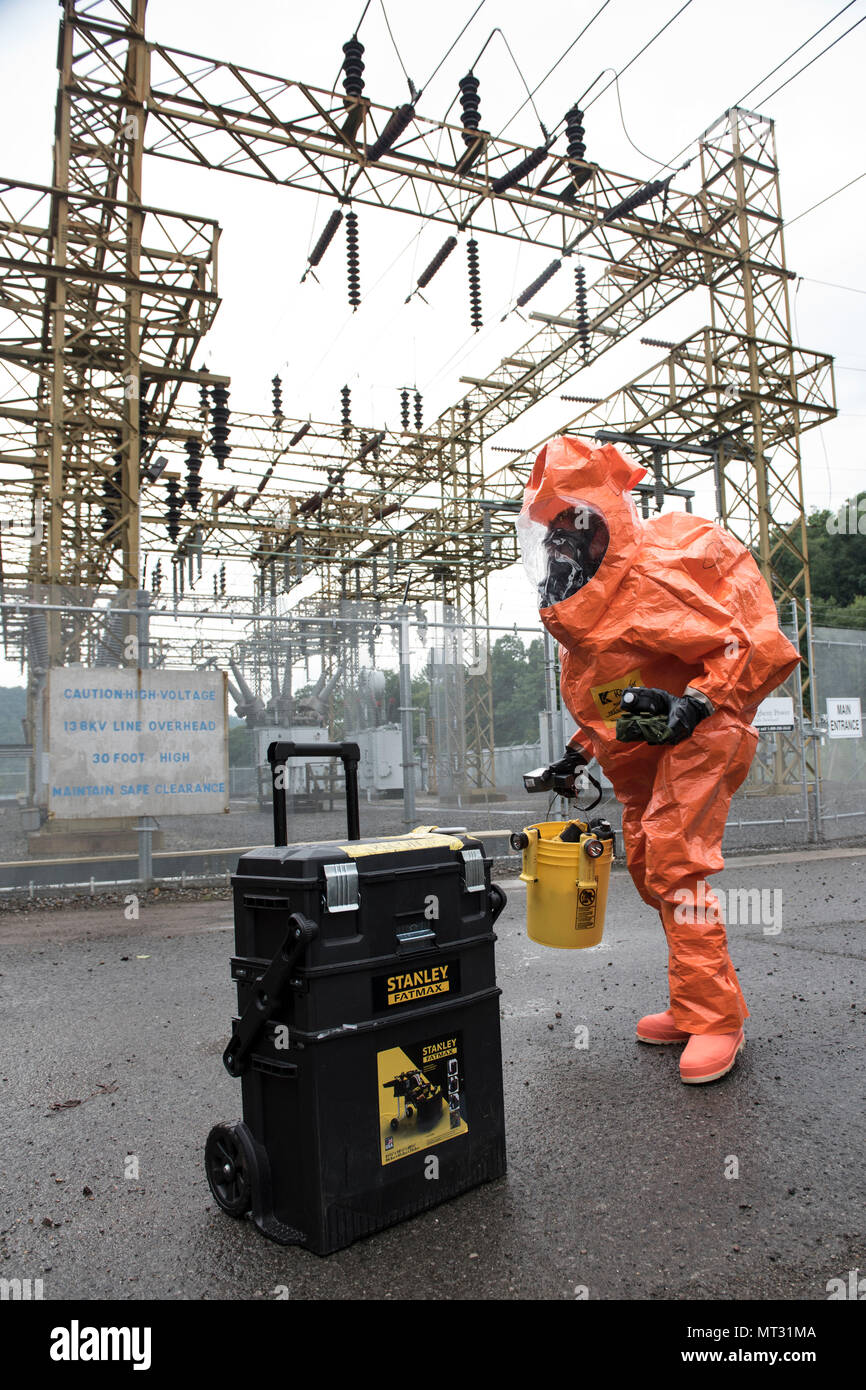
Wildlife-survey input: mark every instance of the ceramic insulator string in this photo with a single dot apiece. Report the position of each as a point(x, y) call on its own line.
point(352, 259)
point(474, 283)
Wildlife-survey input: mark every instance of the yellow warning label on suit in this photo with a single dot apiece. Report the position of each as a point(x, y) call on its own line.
point(417, 984)
point(400, 844)
point(608, 696)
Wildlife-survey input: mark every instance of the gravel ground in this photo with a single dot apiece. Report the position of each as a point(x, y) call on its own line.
point(104, 900)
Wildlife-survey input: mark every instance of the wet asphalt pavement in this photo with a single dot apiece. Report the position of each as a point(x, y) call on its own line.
point(621, 1181)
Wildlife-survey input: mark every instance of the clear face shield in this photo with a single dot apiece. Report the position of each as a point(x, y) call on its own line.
point(563, 553)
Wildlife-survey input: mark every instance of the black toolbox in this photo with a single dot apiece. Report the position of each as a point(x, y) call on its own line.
point(367, 1040)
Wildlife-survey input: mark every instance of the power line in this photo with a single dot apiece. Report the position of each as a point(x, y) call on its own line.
point(413, 90)
point(637, 55)
point(361, 20)
point(477, 59)
point(453, 46)
point(615, 79)
point(778, 89)
point(529, 94)
point(768, 75)
point(826, 200)
point(658, 163)
point(832, 285)
point(416, 92)
point(562, 56)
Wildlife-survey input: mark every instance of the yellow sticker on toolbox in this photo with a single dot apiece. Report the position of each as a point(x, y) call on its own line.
point(607, 697)
point(400, 844)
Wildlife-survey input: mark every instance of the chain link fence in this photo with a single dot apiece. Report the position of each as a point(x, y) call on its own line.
point(448, 714)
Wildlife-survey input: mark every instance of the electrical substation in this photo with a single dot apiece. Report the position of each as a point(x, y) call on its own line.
point(158, 522)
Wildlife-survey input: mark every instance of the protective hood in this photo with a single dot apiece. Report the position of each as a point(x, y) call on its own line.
point(573, 479)
point(674, 603)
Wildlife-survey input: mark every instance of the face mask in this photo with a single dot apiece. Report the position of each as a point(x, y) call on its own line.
point(565, 575)
point(563, 553)
point(568, 568)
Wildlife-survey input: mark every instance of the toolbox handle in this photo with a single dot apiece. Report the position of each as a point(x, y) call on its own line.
point(497, 900)
point(267, 994)
point(279, 754)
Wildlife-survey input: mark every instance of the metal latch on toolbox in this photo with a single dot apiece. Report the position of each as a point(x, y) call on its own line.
point(418, 939)
point(473, 870)
point(341, 888)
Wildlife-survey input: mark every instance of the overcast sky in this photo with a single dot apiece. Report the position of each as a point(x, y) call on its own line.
point(710, 56)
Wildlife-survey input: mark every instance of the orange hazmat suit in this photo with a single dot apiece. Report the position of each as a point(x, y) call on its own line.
point(675, 603)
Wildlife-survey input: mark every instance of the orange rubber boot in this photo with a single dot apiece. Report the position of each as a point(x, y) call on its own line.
point(710, 1056)
point(660, 1028)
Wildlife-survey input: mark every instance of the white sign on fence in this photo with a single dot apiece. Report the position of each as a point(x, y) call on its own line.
point(775, 713)
point(130, 743)
point(843, 718)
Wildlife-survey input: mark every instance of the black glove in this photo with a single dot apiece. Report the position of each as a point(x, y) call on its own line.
point(558, 776)
point(571, 760)
point(681, 713)
point(684, 715)
point(562, 773)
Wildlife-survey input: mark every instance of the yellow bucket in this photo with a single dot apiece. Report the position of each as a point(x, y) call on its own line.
point(566, 882)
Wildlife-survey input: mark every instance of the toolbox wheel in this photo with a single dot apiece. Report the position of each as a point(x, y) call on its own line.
point(395, 1124)
point(227, 1170)
point(410, 1111)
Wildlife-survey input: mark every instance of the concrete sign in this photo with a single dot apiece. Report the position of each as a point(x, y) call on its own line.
point(130, 743)
point(843, 718)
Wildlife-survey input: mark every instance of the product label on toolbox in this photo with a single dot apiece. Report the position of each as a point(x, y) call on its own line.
point(405, 985)
point(421, 1097)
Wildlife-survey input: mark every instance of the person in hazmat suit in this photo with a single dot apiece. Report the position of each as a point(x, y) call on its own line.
point(669, 618)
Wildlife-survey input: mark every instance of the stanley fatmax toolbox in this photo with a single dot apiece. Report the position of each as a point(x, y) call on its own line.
point(368, 1038)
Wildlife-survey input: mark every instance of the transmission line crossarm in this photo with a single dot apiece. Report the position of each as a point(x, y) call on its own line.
point(252, 121)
